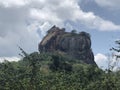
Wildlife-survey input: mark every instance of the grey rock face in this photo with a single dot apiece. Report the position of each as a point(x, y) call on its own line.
point(75, 45)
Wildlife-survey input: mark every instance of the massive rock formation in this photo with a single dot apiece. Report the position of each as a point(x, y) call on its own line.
point(70, 43)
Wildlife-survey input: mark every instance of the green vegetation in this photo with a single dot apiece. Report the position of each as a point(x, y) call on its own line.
point(73, 31)
point(55, 72)
point(52, 71)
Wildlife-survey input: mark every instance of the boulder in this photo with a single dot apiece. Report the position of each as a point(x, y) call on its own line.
point(73, 44)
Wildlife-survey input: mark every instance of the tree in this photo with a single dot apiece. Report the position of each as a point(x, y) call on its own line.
point(116, 53)
point(58, 63)
point(117, 49)
point(73, 31)
point(33, 67)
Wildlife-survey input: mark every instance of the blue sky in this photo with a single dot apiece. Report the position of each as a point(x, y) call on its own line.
point(25, 22)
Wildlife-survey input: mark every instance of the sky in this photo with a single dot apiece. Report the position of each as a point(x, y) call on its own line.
point(24, 23)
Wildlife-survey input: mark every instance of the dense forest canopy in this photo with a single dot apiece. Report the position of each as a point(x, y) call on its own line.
point(54, 71)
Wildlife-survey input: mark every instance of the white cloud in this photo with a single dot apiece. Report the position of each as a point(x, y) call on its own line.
point(101, 60)
point(110, 4)
point(10, 3)
point(105, 25)
point(39, 28)
point(2, 59)
point(44, 15)
point(14, 31)
point(25, 22)
point(58, 13)
point(107, 62)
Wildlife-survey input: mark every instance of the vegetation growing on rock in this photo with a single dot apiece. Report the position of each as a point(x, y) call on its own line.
point(34, 72)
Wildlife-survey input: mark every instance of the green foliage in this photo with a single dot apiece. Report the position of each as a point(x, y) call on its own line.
point(117, 49)
point(34, 72)
point(73, 31)
point(59, 63)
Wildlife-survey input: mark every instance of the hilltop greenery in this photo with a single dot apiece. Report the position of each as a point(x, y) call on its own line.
point(52, 71)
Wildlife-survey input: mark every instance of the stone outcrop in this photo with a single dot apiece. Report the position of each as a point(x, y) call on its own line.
point(70, 43)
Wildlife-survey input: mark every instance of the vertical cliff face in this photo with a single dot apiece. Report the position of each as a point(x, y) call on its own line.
point(76, 45)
